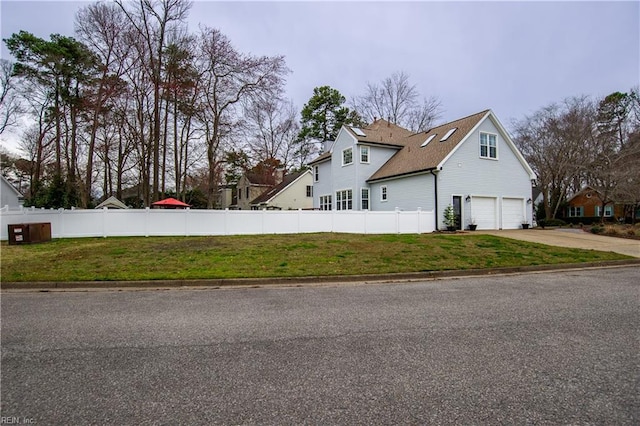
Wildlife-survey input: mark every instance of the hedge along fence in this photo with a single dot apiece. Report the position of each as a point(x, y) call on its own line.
point(187, 222)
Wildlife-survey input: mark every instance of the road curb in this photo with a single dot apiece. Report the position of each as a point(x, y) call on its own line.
point(301, 281)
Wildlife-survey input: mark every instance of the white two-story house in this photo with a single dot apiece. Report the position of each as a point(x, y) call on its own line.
point(470, 163)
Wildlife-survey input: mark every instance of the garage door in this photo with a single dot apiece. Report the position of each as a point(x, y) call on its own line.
point(512, 209)
point(483, 211)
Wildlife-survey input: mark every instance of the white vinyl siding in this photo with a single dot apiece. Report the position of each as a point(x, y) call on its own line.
point(466, 174)
point(411, 193)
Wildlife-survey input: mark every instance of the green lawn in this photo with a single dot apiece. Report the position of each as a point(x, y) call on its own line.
point(156, 258)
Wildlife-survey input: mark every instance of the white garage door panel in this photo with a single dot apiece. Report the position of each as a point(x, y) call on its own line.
point(512, 213)
point(483, 211)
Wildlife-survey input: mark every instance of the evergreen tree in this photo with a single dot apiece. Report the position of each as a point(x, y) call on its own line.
point(324, 115)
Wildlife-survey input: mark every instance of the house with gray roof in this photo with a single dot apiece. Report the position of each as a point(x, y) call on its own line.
point(470, 163)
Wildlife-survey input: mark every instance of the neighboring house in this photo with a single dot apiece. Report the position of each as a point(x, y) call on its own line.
point(9, 195)
point(112, 203)
point(251, 185)
point(226, 197)
point(294, 192)
point(470, 163)
point(586, 203)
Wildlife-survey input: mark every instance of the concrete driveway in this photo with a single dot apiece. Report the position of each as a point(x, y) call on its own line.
point(574, 238)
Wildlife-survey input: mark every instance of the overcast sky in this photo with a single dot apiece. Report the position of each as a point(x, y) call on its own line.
point(512, 57)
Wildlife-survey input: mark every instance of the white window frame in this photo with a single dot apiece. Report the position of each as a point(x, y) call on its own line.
point(316, 173)
point(364, 191)
point(384, 194)
point(344, 199)
point(344, 152)
point(579, 210)
point(608, 210)
point(309, 190)
point(325, 202)
point(364, 154)
point(488, 146)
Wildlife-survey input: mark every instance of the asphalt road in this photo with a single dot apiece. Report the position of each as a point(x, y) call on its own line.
point(545, 348)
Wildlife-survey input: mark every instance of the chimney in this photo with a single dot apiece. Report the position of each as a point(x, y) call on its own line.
point(279, 175)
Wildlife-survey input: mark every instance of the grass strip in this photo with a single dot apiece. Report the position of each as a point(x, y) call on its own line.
point(260, 256)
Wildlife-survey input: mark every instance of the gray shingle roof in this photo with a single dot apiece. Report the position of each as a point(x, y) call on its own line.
point(413, 157)
point(267, 195)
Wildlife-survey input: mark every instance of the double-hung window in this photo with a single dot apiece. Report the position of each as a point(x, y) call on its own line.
point(488, 145)
point(309, 190)
point(364, 154)
point(344, 200)
point(347, 156)
point(608, 210)
point(364, 198)
point(383, 193)
point(316, 173)
point(575, 211)
point(325, 202)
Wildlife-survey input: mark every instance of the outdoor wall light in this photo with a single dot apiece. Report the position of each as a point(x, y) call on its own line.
point(529, 201)
point(468, 198)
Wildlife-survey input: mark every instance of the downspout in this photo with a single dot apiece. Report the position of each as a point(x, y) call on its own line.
point(435, 190)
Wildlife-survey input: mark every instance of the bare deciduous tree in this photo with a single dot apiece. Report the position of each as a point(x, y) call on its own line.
point(271, 129)
point(152, 20)
point(556, 142)
point(398, 101)
point(10, 106)
point(227, 77)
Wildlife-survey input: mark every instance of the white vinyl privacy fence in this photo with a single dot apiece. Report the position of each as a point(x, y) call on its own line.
point(158, 222)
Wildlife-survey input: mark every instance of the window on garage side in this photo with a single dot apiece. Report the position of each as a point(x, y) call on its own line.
point(344, 200)
point(383, 193)
point(488, 145)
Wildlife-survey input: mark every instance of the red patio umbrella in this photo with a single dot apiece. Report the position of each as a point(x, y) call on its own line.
point(170, 203)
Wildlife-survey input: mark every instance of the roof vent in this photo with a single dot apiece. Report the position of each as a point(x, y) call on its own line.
point(358, 132)
point(449, 133)
point(429, 139)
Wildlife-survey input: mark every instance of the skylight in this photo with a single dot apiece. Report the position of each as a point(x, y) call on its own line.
point(358, 132)
point(429, 139)
point(449, 133)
